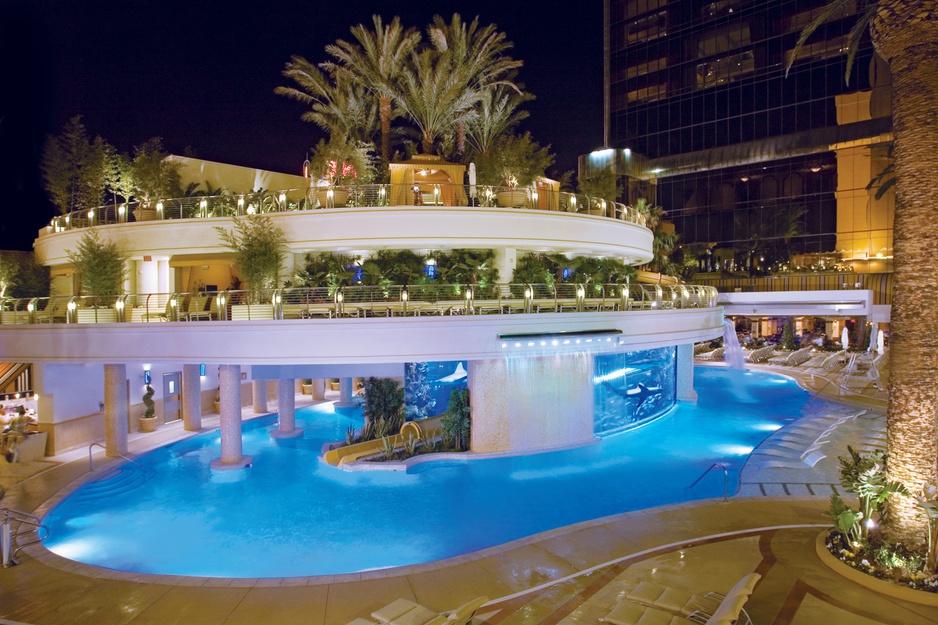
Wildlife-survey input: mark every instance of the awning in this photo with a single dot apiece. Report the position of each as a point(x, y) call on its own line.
point(194, 260)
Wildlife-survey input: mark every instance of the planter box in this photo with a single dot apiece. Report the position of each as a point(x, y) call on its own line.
point(145, 214)
point(96, 315)
point(307, 389)
point(339, 197)
point(512, 199)
point(245, 312)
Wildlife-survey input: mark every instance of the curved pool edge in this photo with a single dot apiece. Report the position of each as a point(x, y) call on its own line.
point(49, 558)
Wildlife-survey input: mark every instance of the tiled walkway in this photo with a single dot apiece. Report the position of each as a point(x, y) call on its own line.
point(572, 575)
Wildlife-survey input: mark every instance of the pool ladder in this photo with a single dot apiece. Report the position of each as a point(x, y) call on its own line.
point(13, 526)
point(726, 479)
point(91, 459)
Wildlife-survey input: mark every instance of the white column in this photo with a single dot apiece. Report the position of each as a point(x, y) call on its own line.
point(319, 388)
point(685, 373)
point(191, 398)
point(286, 409)
point(115, 409)
point(164, 276)
point(229, 392)
point(345, 393)
point(259, 388)
point(506, 258)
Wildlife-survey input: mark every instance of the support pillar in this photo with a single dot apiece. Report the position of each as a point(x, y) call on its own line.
point(259, 388)
point(286, 409)
point(345, 393)
point(229, 392)
point(191, 398)
point(115, 410)
point(506, 259)
point(318, 389)
point(685, 373)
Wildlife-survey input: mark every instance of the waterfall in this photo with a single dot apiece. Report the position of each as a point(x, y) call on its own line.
point(732, 352)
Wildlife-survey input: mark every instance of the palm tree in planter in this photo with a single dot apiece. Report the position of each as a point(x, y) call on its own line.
point(515, 161)
point(341, 162)
point(905, 34)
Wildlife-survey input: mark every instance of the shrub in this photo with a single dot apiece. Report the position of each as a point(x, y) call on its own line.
point(457, 421)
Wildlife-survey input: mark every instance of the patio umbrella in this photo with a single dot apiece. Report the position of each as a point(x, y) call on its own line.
point(881, 342)
point(472, 179)
point(874, 334)
point(845, 338)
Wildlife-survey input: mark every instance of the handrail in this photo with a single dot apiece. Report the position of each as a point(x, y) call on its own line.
point(91, 459)
point(726, 479)
point(355, 301)
point(229, 204)
point(8, 537)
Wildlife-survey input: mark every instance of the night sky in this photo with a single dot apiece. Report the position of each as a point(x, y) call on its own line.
point(201, 75)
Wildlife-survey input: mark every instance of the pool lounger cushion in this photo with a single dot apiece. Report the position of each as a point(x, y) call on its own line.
point(672, 599)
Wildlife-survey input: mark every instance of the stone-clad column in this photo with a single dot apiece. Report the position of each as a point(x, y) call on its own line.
point(318, 388)
point(286, 409)
point(229, 392)
point(260, 395)
point(191, 398)
point(115, 409)
point(345, 393)
point(685, 373)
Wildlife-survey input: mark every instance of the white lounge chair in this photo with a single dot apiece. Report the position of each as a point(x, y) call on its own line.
point(652, 604)
point(407, 612)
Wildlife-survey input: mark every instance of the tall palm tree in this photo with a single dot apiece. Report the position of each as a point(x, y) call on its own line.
point(478, 55)
point(905, 34)
point(498, 112)
point(376, 62)
point(338, 104)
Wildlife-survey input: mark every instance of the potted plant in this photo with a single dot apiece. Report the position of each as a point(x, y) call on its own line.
point(307, 386)
point(148, 420)
point(217, 402)
point(513, 163)
point(338, 163)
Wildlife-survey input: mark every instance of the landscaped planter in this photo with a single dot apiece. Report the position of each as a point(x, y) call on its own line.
point(868, 581)
point(512, 199)
point(339, 197)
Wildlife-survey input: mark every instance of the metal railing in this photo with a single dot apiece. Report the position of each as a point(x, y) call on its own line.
point(364, 195)
point(12, 524)
point(355, 302)
point(91, 459)
point(726, 479)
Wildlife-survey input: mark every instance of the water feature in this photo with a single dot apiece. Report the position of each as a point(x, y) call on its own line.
point(732, 352)
point(290, 515)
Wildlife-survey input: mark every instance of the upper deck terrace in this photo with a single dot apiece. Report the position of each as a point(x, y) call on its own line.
point(364, 218)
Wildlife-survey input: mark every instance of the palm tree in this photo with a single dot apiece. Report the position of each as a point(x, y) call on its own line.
point(376, 62)
point(477, 54)
point(498, 112)
point(905, 34)
point(338, 104)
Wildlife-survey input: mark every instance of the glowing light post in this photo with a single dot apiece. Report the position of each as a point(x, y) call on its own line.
point(203, 208)
point(283, 201)
point(339, 304)
point(241, 205)
point(528, 298)
point(382, 196)
point(580, 298)
point(91, 217)
point(404, 301)
point(159, 210)
point(122, 213)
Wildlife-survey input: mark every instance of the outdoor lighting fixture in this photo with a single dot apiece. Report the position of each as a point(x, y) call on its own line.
point(146, 376)
point(240, 203)
point(202, 370)
point(251, 209)
point(573, 202)
point(203, 205)
point(91, 215)
point(159, 208)
point(745, 178)
point(577, 337)
point(283, 199)
point(815, 169)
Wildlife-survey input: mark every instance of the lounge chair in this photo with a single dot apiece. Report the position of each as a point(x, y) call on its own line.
point(407, 612)
point(652, 604)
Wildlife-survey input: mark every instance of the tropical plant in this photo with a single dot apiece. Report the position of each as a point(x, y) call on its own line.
point(514, 160)
point(75, 168)
point(457, 422)
point(259, 246)
point(339, 104)
point(387, 448)
point(466, 266)
point(604, 184)
point(9, 268)
point(866, 477)
point(342, 162)
point(905, 34)
point(376, 62)
point(927, 501)
point(478, 56)
point(99, 266)
point(846, 519)
point(383, 406)
point(497, 112)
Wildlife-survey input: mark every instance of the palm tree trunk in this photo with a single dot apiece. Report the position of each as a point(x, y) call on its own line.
point(384, 112)
point(904, 32)
point(427, 143)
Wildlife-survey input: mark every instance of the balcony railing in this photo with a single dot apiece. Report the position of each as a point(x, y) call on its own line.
point(355, 302)
point(366, 195)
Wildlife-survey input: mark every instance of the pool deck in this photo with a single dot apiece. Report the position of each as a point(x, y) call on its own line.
point(570, 575)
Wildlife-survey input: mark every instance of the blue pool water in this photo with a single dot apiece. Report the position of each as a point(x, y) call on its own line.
point(290, 515)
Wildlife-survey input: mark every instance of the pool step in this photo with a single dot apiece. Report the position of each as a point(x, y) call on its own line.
point(121, 480)
point(787, 489)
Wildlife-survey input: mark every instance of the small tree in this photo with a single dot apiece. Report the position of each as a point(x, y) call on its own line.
point(457, 423)
point(342, 162)
point(76, 168)
point(788, 335)
point(259, 248)
point(153, 175)
point(514, 160)
point(604, 185)
point(9, 269)
point(99, 266)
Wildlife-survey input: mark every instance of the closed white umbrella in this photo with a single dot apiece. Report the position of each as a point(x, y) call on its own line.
point(472, 179)
point(874, 336)
point(845, 338)
point(881, 342)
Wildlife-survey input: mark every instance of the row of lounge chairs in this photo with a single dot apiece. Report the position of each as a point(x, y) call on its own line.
point(654, 604)
point(407, 612)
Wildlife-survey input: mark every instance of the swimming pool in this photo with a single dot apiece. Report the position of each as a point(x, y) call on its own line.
point(289, 515)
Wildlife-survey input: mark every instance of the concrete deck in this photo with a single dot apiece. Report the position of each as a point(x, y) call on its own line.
point(571, 575)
